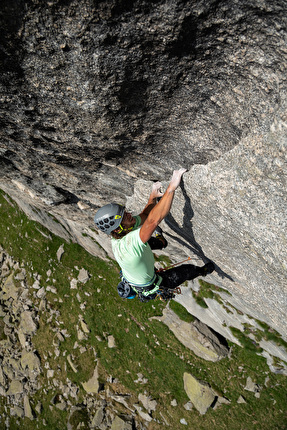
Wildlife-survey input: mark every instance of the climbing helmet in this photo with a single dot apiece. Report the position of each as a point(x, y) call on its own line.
point(109, 217)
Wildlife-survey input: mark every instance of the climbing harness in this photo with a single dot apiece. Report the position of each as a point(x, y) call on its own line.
point(145, 294)
point(153, 291)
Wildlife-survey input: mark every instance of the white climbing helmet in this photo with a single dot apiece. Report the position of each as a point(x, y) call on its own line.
point(109, 217)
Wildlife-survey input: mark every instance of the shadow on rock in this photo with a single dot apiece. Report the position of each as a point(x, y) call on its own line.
point(185, 236)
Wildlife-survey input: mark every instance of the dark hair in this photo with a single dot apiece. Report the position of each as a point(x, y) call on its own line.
point(120, 235)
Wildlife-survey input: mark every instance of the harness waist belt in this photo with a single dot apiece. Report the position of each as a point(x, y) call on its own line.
point(149, 289)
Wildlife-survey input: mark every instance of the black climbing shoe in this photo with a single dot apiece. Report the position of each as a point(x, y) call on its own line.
point(208, 268)
point(159, 236)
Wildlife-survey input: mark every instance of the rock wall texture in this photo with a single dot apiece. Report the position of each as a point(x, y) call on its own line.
point(99, 98)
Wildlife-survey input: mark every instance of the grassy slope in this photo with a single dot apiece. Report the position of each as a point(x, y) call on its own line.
point(143, 346)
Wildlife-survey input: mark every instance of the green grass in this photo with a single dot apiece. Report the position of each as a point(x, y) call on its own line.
point(208, 291)
point(142, 345)
point(181, 312)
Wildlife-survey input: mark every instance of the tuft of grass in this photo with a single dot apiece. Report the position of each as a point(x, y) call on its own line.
point(181, 312)
point(271, 334)
point(199, 299)
point(209, 291)
point(245, 341)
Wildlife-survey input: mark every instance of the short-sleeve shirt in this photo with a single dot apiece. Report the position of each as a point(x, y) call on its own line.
point(134, 257)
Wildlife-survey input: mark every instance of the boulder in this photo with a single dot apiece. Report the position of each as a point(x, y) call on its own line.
point(30, 360)
point(9, 289)
point(241, 399)
point(252, 386)
point(92, 385)
point(83, 276)
point(27, 324)
point(196, 336)
point(60, 252)
point(17, 411)
point(84, 326)
point(111, 341)
point(200, 393)
point(148, 403)
point(98, 417)
point(121, 424)
point(15, 387)
point(27, 408)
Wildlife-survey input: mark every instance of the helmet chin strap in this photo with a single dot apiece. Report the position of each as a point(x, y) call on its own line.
point(124, 229)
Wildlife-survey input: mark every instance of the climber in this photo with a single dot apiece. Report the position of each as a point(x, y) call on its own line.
point(131, 248)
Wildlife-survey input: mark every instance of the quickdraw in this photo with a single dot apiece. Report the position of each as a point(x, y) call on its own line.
point(168, 294)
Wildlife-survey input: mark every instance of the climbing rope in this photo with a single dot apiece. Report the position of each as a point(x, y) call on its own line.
point(163, 269)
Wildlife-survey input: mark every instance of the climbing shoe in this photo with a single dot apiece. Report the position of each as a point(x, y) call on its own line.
point(159, 236)
point(208, 268)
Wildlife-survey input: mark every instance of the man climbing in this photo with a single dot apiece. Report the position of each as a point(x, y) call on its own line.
point(132, 244)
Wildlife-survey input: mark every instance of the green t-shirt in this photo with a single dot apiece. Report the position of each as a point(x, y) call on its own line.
point(134, 257)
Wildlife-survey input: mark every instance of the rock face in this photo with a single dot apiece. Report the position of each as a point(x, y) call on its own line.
point(100, 98)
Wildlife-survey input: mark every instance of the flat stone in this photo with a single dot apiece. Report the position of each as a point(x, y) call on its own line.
point(21, 275)
point(142, 414)
point(50, 373)
point(62, 406)
point(251, 386)
point(73, 284)
point(121, 399)
point(9, 289)
point(36, 285)
point(83, 276)
point(80, 334)
point(98, 418)
point(41, 293)
point(111, 341)
point(15, 387)
point(92, 385)
point(30, 360)
point(188, 406)
point(27, 408)
point(241, 399)
point(60, 252)
point(148, 403)
point(17, 411)
point(2, 379)
point(200, 393)
point(69, 359)
point(120, 424)
point(14, 364)
point(27, 325)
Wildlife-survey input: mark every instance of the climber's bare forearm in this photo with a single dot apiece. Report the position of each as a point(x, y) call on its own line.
point(162, 208)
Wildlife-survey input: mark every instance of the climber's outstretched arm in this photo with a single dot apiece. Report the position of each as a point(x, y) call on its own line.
point(152, 201)
point(160, 210)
